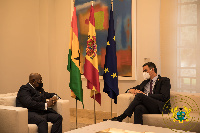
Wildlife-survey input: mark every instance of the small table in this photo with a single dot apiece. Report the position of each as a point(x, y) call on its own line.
point(122, 125)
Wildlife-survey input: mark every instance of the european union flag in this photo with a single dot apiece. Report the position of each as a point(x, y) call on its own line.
point(110, 75)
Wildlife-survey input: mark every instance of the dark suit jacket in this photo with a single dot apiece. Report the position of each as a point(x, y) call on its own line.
point(161, 92)
point(32, 99)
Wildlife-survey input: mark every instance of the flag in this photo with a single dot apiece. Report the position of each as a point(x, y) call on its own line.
point(91, 71)
point(110, 75)
point(74, 61)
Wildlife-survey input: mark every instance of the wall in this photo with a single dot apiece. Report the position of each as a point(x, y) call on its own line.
point(34, 37)
point(168, 40)
point(19, 47)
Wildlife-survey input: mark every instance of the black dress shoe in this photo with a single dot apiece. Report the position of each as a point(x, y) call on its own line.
point(114, 119)
point(117, 119)
point(105, 119)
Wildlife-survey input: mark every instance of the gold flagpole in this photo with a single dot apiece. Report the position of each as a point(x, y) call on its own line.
point(94, 97)
point(111, 98)
point(111, 108)
point(76, 99)
point(112, 4)
point(76, 113)
point(94, 109)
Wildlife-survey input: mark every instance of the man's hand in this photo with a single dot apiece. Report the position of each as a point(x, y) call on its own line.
point(54, 98)
point(138, 91)
point(132, 91)
point(52, 101)
point(135, 91)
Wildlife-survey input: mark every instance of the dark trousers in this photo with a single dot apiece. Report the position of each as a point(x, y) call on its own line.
point(41, 121)
point(140, 105)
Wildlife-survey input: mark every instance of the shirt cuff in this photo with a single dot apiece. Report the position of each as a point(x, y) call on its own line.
point(147, 94)
point(45, 106)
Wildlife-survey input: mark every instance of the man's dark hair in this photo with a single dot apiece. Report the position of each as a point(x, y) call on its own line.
point(151, 65)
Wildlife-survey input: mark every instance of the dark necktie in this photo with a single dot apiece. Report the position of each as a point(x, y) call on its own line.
point(151, 86)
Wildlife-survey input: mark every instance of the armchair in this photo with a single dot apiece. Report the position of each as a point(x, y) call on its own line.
point(179, 99)
point(15, 119)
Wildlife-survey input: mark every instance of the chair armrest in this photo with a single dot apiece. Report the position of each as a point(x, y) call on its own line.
point(13, 119)
point(123, 101)
point(62, 107)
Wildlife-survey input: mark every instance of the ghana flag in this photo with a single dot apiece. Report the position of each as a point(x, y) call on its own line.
point(91, 71)
point(74, 61)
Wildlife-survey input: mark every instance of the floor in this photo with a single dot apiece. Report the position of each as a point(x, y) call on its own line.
point(86, 117)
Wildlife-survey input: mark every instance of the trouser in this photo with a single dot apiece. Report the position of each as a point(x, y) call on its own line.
point(41, 121)
point(140, 105)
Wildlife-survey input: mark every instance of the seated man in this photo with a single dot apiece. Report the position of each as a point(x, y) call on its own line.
point(151, 96)
point(33, 97)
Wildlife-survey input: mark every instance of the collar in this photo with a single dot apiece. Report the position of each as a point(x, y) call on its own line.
point(31, 85)
point(155, 78)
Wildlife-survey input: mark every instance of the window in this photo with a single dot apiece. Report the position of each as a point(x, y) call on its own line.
point(188, 49)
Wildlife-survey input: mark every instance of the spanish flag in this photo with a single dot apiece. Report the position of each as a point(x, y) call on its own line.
point(91, 71)
point(74, 61)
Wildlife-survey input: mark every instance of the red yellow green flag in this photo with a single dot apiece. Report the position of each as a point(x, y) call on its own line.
point(74, 61)
point(91, 71)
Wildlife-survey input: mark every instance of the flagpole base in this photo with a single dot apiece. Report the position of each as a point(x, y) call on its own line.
point(94, 110)
point(76, 114)
point(111, 108)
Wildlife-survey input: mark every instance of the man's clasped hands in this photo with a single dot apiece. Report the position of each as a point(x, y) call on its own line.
point(52, 101)
point(135, 91)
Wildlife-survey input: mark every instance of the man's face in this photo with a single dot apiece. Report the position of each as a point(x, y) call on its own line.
point(38, 80)
point(147, 69)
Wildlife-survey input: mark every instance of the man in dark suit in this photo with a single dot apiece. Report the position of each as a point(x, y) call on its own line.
point(151, 96)
point(33, 97)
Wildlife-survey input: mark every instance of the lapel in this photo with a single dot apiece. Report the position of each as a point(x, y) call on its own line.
point(30, 87)
point(36, 95)
point(158, 79)
point(143, 84)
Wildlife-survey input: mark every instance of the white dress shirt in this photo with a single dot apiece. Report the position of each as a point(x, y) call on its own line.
point(147, 86)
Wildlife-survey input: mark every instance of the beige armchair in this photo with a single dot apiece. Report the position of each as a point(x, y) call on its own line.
point(166, 121)
point(15, 119)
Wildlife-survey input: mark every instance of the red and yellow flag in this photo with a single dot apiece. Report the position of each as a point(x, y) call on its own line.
point(91, 71)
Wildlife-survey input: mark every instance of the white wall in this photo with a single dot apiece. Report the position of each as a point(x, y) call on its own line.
point(19, 47)
point(34, 37)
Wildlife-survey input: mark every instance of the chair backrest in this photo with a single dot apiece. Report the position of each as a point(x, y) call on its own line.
point(189, 100)
point(8, 99)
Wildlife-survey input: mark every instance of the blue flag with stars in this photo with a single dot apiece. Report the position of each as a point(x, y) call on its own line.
point(110, 75)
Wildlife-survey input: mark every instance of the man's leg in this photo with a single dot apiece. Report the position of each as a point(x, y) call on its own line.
point(39, 120)
point(141, 99)
point(56, 119)
point(139, 111)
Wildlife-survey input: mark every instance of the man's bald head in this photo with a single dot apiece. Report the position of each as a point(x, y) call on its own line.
point(35, 78)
